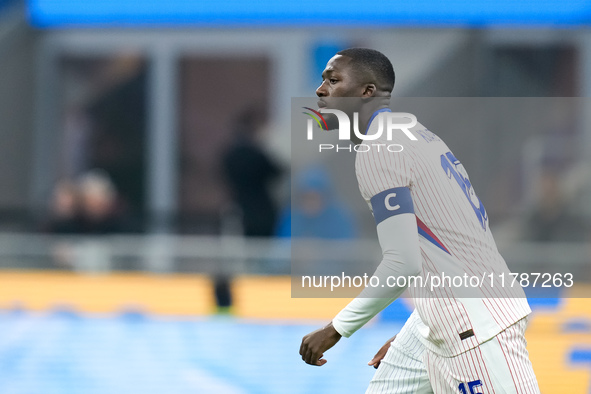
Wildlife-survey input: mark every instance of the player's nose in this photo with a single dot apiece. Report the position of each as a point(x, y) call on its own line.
point(321, 91)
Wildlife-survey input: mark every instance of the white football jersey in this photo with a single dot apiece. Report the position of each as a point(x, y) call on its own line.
point(454, 237)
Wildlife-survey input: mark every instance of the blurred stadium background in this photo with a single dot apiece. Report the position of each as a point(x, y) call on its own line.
point(129, 262)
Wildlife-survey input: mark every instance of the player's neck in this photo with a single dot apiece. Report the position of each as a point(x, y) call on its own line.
point(367, 114)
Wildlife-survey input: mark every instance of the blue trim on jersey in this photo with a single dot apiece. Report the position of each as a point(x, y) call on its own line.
point(374, 115)
point(391, 202)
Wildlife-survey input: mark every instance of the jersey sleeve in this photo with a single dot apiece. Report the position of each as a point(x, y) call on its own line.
point(379, 169)
point(401, 259)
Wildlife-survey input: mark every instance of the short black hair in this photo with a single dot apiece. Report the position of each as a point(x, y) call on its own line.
point(372, 62)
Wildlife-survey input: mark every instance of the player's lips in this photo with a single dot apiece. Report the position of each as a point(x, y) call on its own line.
point(321, 104)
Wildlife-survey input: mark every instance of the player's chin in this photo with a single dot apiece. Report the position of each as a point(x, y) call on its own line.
point(322, 104)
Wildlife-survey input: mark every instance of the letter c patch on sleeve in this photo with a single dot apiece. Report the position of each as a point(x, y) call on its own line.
point(391, 202)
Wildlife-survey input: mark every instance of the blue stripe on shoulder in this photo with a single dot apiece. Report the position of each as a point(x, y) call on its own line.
point(391, 202)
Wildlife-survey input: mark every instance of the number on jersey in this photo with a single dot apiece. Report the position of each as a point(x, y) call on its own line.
point(470, 387)
point(453, 168)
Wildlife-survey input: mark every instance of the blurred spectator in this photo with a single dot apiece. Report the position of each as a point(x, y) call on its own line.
point(64, 216)
point(550, 219)
point(86, 207)
point(64, 219)
point(100, 213)
point(250, 172)
point(316, 212)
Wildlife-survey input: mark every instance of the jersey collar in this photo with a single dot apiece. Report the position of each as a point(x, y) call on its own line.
point(374, 115)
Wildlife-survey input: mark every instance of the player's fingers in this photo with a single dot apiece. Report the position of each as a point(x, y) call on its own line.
point(304, 347)
point(377, 358)
point(308, 356)
point(304, 355)
point(317, 359)
point(312, 357)
point(374, 362)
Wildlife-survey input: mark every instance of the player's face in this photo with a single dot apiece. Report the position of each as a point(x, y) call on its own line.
point(339, 80)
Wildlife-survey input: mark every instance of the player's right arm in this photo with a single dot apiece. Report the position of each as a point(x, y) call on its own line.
point(397, 232)
point(398, 238)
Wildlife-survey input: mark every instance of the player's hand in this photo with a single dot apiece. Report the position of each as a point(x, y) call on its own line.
point(317, 342)
point(377, 359)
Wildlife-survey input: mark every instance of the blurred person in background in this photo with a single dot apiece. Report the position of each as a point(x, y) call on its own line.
point(64, 216)
point(88, 206)
point(316, 212)
point(250, 172)
point(64, 219)
point(100, 213)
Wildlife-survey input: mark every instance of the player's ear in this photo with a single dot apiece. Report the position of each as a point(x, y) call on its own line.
point(369, 90)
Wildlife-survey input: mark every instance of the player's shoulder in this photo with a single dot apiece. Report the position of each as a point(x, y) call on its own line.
point(415, 137)
point(421, 132)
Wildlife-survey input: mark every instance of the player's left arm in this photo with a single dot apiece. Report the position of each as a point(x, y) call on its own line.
point(398, 236)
